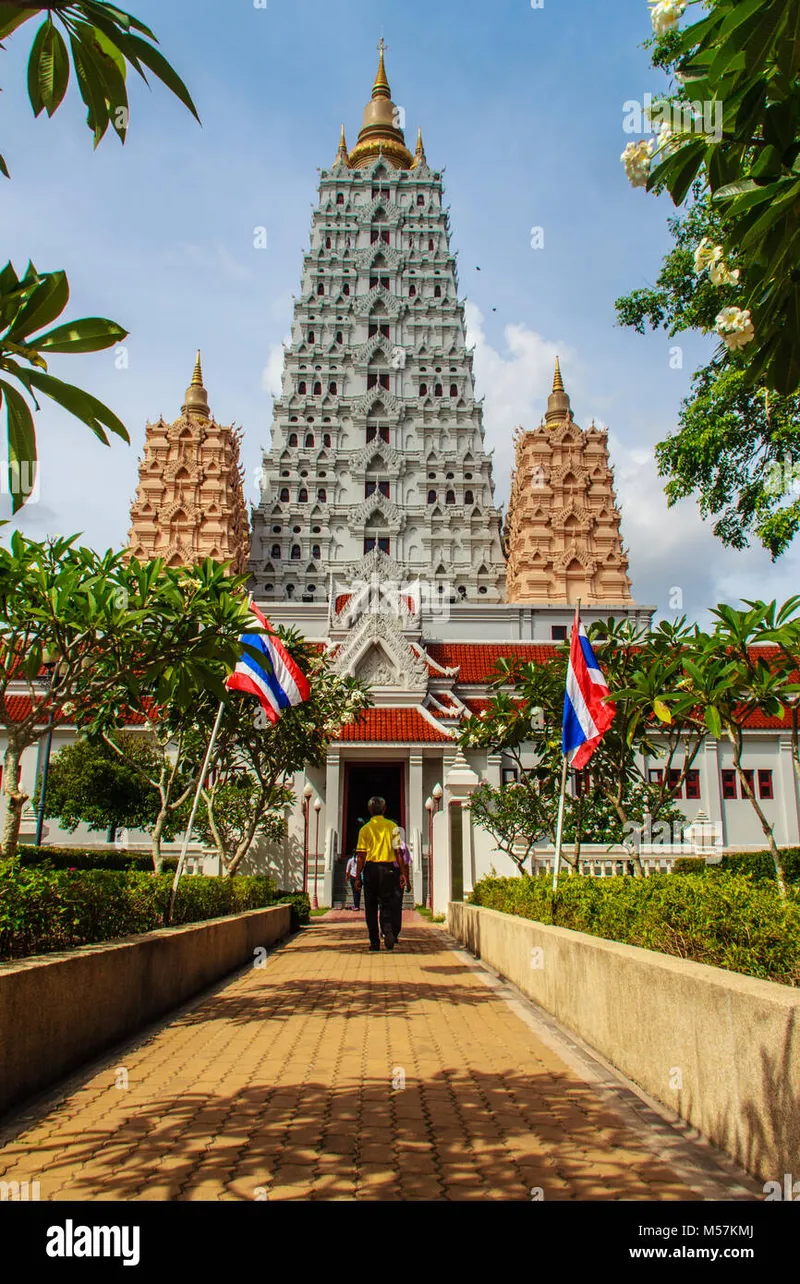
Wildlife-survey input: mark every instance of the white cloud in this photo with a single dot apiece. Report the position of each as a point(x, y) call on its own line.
point(673, 552)
point(271, 374)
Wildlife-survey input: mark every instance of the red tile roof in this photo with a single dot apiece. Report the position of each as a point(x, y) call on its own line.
point(476, 661)
point(389, 725)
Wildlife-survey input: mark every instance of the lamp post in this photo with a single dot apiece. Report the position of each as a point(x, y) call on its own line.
point(436, 798)
point(51, 666)
point(307, 792)
point(317, 809)
point(429, 810)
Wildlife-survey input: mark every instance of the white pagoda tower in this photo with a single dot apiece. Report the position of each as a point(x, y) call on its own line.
point(377, 439)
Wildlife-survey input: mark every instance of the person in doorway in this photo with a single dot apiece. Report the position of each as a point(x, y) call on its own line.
point(351, 874)
point(383, 879)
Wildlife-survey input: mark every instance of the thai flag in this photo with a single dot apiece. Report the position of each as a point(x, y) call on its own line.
point(274, 679)
point(586, 717)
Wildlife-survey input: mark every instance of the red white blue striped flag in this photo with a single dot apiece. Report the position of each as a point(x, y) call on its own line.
point(274, 678)
point(586, 716)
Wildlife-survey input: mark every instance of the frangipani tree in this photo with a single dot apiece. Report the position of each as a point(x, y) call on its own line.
point(255, 762)
point(124, 641)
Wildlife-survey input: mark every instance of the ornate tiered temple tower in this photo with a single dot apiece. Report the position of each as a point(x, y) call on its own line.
point(190, 502)
point(563, 532)
point(377, 439)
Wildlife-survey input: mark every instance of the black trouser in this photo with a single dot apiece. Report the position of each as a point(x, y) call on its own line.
point(382, 893)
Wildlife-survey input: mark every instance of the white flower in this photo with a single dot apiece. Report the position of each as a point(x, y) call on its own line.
point(735, 328)
point(665, 14)
point(636, 159)
point(704, 254)
point(713, 257)
point(721, 274)
point(667, 139)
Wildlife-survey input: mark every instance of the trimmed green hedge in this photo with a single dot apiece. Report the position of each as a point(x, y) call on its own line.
point(758, 865)
point(42, 909)
point(89, 858)
point(301, 907)
point(730, 920)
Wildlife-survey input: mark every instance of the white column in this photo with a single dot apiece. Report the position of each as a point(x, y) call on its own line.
point(333, 841)
point(787, 785)
point(711, 788)
point(417, 817)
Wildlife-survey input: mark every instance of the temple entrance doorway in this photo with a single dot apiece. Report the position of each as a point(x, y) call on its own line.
point(361, 782)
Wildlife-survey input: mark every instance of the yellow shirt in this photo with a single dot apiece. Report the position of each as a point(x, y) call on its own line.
point(375, 838)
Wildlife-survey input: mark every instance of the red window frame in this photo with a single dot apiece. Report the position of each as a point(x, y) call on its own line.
point(674, 782)
point(729, 784)
point(766, 787)
point(693, 783)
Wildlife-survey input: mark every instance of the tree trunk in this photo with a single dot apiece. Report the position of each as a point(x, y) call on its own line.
point(638, 867)
point(245, 843)
point(155, 837)
point(774, 850)
point(15, 799)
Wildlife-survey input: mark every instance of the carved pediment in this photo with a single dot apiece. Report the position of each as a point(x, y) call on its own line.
point(572, 554)
point(378, 644)
point(393, 405)
point(366, 213)
point(361, 459)
point(392, 257)
point(376, 506)
point(365, 302)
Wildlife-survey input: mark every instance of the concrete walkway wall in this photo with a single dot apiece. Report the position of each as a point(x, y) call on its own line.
point(59, 1010)
point(720, 1049)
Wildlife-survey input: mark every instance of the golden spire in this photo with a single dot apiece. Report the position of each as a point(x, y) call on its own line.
point(380, 134)
point(196, 397)
point(558, 405)
point(341, 155)
point(381, 87)
point(419, 155)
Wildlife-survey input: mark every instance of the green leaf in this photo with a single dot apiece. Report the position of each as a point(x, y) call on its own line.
point(13, 16)
point(661, 711)
point(21, 446)
point(46, 303)
point(48, 69)
point(91, 88)
point(4, 168)
point(35, 75)
point(713, 722)
point(90, 334)
point(55, 88)
point(80, 404)
point(162, 69)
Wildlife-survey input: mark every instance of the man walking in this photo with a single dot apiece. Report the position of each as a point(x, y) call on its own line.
point(351, 873)
point(382, 879)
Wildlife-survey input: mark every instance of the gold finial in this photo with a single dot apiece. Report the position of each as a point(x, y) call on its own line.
point(419, 155)
point(381, 87)
point(381, 134)
point(196, 397)
point(558, 405)
point(341, 155)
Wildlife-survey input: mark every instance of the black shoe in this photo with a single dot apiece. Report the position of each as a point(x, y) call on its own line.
point(388, 938)
point(375, 949)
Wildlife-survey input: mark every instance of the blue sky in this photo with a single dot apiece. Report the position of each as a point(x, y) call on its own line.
point(522, 108)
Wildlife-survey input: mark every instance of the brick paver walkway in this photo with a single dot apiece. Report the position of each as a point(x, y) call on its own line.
point(336, 1073)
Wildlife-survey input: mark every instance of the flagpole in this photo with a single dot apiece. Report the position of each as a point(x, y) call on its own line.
point(562, 798)
point(188, 835)
point(560, 825)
